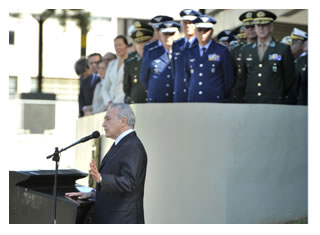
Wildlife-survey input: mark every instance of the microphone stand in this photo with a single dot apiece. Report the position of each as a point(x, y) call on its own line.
point(56, 157)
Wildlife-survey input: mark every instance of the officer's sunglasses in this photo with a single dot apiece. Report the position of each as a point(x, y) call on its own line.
point(169, 34)
point(249, 26)
point(204, 30)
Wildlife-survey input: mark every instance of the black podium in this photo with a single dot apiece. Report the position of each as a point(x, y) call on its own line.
point(31, 200)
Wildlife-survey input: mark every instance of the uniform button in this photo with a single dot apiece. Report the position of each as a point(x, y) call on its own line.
point(169, 67)
point(135, 80)
point(259, 84)
point(218, 97)
point(184, 90)
point(168, 76)
point(200, 92)
point(200, 83)
point(167, 94)
point(260, 65)
point(200, 74)
point(168, 85)
point(259, 94)
point(150, 99)
point(201, 65)
point(259, 74)
point(185, 80)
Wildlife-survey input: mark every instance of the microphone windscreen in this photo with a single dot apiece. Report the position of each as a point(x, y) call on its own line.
point(96, 134)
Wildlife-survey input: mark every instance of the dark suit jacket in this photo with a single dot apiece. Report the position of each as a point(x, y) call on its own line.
point(86, 93)
point(119, 199)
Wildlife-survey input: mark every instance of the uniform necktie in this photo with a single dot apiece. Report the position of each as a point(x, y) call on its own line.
point(261, 50)
point(187, 45)
point(203, 51)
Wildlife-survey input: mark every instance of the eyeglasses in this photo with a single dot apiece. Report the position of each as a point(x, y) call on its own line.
point(94, 62)
point(249, 26)
point(204, 30)
point(169, 34)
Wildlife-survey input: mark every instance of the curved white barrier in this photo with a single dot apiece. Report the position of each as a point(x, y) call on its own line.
point(218, 163)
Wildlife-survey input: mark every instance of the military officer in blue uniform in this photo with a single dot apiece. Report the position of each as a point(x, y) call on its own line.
point(157, 76)
point(266, 74)
point(155, 23)
point(133, 89)
point(155, 42)
point(225, 37)
point(179, 49)
point(208, 66)
point(297, 45)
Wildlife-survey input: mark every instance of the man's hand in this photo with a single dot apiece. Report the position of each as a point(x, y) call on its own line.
point(94, 171)
point(80, 195)
point(87, 110)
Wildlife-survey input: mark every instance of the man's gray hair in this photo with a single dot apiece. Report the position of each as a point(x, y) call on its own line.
point(124, 110)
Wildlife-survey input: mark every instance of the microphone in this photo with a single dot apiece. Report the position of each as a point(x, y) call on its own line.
point(94, 135)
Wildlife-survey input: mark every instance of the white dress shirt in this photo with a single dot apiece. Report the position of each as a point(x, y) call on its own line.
point(123, 134)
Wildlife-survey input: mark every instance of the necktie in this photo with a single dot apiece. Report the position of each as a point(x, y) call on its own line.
point(203, 51)
point(261, 51)
point(187, 45)
point(93, 79)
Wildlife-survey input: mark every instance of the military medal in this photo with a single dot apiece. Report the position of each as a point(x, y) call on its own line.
point(213, 69)
point(274, 68)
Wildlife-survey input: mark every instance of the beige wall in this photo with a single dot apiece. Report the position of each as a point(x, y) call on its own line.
point(218, 163)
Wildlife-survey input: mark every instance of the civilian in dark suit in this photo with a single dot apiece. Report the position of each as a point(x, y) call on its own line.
point(121, 177)
point(88, 84)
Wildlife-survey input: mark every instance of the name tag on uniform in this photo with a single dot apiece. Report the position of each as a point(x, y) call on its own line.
point(275, 57)
point(214, 57)
point(192, 60)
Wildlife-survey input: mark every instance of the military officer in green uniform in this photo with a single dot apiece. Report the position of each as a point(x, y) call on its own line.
point(134, 91)
point(302, 69)
point(266, 72)
point(250, 36)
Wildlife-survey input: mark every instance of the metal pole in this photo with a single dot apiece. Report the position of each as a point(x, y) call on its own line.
point(40, 63)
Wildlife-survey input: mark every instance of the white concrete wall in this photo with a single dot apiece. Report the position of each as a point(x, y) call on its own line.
point(218, 163)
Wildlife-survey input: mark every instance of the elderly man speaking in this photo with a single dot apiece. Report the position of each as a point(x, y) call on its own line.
point(121, 177)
